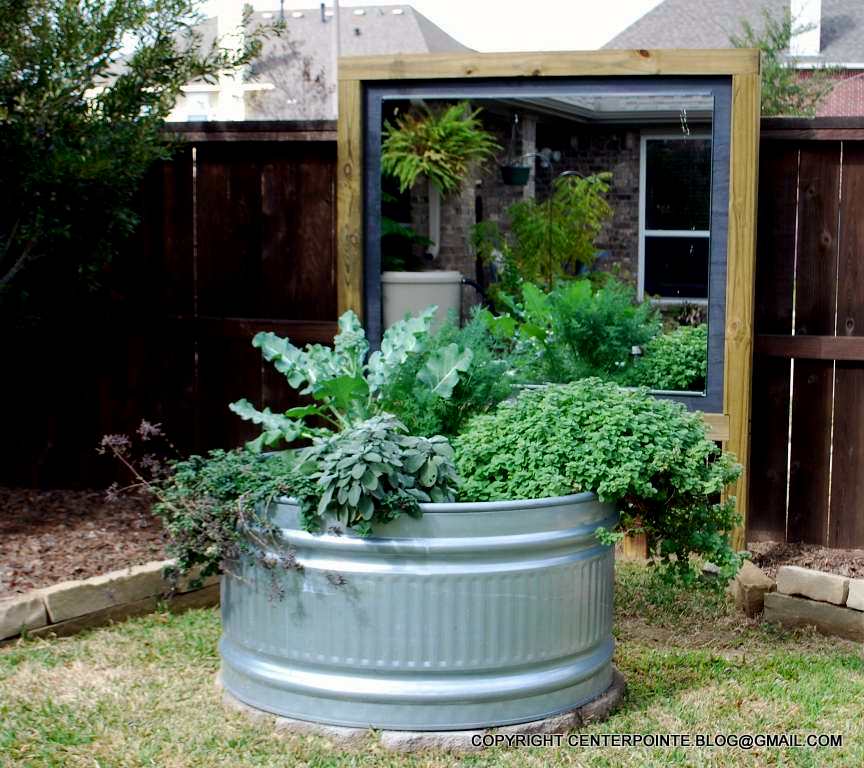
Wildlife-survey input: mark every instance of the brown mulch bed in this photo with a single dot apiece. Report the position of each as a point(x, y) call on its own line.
point(770, 555)
point(52, 536)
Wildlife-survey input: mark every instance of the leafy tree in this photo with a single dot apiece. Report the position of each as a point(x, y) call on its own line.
point(784, 90)
point(85, 87)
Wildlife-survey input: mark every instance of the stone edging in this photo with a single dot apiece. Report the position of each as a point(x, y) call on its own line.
point(833, 604)
point(70, 606)
point(452, 741)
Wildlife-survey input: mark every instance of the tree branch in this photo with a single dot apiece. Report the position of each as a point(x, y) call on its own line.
point(25, 256)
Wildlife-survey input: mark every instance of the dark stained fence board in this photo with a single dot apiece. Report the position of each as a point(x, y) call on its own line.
point(775, 255)
point(816, 280)
point(265, 262)
point(818, 216)
point(228, 225)
point(811, 347)
point(174, 343)
point(828, 346)
point(846, 517)
point(810, 451)
point(775, 264)
point(298, 202)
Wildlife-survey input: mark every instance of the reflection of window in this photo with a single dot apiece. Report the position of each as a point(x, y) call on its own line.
point(674, 217)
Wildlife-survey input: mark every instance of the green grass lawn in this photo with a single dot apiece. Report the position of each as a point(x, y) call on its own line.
point(142, 693)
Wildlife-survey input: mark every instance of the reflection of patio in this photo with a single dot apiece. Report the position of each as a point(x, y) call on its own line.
point(591, 134)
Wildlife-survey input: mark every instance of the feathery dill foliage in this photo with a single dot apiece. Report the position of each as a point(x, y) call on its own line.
point(582, 329)
point(650, 456)
point(436, 142)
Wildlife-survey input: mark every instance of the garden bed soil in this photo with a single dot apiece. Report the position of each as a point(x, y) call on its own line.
point(52, 536)
point(770, 555)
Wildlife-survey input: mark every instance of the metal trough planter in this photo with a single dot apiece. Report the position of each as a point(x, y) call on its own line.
point(475, 615)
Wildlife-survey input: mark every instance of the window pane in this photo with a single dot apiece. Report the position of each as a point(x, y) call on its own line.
point(677, 183)
point(676, 267)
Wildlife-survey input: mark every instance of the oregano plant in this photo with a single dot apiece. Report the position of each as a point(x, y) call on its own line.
point(650, 456)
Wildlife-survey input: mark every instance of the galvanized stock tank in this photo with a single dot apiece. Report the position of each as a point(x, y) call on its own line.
point(477, 614)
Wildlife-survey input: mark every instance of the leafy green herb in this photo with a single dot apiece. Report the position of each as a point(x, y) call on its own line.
point(213, 507)
point(581, 329)
point(411, 394)
point(650, 456)
point(372, 473)
point(676, 361)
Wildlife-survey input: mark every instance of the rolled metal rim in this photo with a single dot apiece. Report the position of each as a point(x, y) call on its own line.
point(448, 507)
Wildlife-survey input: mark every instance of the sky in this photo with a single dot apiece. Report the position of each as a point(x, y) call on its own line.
point(510, 25)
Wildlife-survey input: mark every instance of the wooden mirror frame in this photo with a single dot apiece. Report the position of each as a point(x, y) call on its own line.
point(732, 425)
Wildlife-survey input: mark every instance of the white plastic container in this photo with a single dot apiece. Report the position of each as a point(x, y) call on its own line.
point(411, 292)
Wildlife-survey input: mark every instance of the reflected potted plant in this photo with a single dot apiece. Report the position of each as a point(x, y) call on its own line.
point(437, 145)
point(515, 170)
point(514, 174)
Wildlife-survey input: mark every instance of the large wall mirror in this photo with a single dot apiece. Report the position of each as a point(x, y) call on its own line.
point(673, 136)
point(608, 197)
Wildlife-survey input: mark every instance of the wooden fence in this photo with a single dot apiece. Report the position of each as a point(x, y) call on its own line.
point(807, 431)
point(236, 235)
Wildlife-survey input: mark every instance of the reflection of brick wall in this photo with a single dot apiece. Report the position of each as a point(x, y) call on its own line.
point(584, 149)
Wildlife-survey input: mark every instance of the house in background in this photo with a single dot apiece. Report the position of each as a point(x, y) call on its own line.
point(294, 77)
point(832, 36)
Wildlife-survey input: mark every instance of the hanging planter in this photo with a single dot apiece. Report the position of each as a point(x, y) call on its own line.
point(515, 175)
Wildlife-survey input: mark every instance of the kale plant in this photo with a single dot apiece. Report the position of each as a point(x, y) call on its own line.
point(348, 389)
point(650, 456)
point(362, 462)
point(485, 383)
